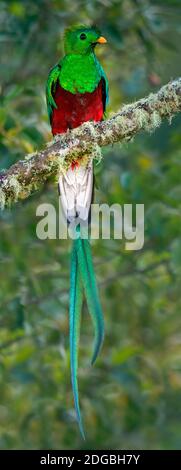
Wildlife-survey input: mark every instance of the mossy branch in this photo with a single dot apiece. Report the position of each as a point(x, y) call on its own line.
point(84, 143)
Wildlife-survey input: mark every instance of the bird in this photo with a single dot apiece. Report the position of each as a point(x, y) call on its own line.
point(77, 92)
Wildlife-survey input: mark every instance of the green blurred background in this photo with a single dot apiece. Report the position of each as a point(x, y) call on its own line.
point(131, 397)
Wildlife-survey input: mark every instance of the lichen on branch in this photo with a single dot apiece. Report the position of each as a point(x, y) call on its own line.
point(85, 142)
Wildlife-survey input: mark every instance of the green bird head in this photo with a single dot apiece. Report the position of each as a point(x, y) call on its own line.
point(82, 39)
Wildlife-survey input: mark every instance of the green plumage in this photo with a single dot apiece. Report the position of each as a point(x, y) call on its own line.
point(83, 280)
point(51, 83)
point(76, 300)
point(79, 71)
point(91, 292)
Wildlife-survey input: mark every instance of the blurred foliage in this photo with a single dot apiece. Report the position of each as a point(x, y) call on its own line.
point(131, 398)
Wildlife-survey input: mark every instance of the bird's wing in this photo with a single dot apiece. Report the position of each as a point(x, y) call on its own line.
point(51, 87)
point(105, 89)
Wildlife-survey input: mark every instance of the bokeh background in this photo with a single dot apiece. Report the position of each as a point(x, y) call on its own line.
point(131, 397)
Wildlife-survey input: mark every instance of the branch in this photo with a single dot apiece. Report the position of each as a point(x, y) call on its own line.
point(83, 143)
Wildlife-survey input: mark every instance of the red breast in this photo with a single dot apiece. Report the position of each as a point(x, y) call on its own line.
point(74, 109)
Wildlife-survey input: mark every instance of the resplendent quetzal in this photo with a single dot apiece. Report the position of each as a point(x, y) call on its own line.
point(77, 91)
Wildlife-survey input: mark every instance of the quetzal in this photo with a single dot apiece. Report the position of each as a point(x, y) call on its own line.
point(77, 91)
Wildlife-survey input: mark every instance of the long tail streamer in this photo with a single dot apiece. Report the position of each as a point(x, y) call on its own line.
point(83, 281)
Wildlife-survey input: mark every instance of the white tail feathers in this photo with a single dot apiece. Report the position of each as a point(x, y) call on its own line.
point(75, 188)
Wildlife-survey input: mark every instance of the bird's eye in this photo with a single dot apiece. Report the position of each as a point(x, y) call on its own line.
point(83, 36)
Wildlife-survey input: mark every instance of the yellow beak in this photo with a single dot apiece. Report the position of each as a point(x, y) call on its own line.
point(101, 40)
